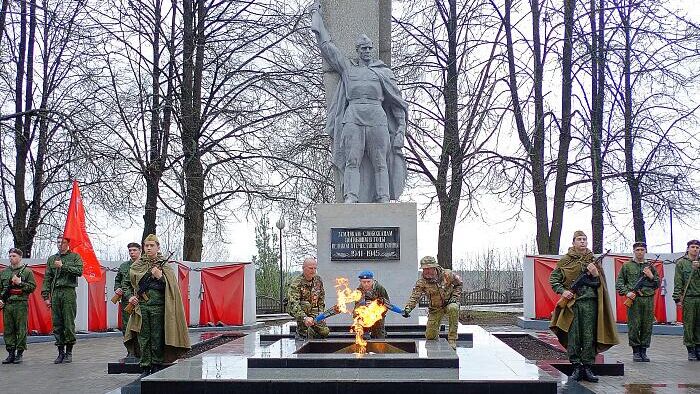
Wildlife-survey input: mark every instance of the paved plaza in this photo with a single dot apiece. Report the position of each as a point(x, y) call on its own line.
point(669, 372)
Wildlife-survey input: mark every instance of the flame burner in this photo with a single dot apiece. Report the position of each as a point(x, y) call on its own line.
point(342, 353)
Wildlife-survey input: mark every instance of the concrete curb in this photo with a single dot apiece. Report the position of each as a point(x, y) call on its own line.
point(89, 335)
point(543, 325)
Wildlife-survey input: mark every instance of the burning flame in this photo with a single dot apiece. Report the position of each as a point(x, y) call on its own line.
point(345, 294)
point(365, 316)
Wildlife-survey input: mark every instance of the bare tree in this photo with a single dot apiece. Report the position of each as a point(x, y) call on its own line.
point(445, 57)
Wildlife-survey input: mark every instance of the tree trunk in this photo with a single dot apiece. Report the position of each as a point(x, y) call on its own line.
point(191, 113)
point(539, 184)
point(451, 157)
point(153, 172)
point(565, 133)
point(630, 177)
point(598, 90)
point(22, 142)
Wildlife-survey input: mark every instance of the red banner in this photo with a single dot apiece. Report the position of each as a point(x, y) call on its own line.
point(39, 318)
point(183, 277)
point(222, 300)
point(659, 301)
point(78, 237)
point(97, 304)
point(545, 297)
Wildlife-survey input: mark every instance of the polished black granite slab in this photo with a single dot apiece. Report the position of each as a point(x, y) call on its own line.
point(486, 365)
point(288, 353)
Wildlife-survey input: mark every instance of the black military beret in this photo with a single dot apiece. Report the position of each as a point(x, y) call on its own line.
point(694, 242)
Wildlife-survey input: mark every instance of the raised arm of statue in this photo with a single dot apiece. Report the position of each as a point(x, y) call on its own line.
point(329, 51)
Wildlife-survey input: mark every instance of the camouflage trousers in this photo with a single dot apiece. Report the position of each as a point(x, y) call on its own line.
point(318, 330)
point(640, 319)
point(14, 315)
point(691, 321)
point(152, 334)
point(63, 311)
point(435, 315)
point(377, 331)
point(582, 333)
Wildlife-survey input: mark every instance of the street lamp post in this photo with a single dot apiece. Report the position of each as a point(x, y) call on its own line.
point(280, 226)
point(670, 213)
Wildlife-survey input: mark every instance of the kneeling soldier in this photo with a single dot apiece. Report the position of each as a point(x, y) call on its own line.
point(443, 289)
point(306, 301)
point(372, 290)
point(16, 283)
point(638, 281)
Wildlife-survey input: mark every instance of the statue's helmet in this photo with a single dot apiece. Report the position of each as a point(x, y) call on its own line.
point(362, 39)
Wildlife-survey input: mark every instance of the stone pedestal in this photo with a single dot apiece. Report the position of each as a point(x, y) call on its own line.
point(397, 276)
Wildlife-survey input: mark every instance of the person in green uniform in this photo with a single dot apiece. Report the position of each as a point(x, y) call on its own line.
point(158, 320)
point(443, 289)
point(686, 294)
point(58, 290)
point(585, 325)
point(372, 290)
point(638, 281)
point(122, 287)
point(16, 284)
point(306, 300)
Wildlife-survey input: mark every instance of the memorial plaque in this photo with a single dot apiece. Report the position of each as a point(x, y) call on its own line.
point(365, 243)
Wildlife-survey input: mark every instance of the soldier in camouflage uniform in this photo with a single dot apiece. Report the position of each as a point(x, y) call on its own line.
point(16, 283)
point(122, 286)
point(686, 293)
point(443, 289)
point(58, 290)
point(307, 300)
point(581, 334)
point(640, 316)
point(372, 290)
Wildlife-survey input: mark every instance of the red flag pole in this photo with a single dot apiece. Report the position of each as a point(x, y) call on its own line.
point(77, 235)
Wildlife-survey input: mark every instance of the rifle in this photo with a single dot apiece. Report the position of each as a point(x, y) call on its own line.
point(641, 282)
point(6, 293)
point(56, 274)
point(143, 283)
point(580, 281)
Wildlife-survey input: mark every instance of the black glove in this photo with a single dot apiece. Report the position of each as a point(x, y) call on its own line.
point(406, 313)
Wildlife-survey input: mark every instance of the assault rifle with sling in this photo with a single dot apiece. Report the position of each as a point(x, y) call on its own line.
point(6, 293)
point(581, 281)
point(642, 282)
point(143, 283)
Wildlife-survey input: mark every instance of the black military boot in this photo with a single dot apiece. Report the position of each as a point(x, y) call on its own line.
point(636, 354)
point(588, 374)
point(61, 355)
point(643, 353)
point(576, 374)
point(691, 354)
point(697, 352)
point(18, 357)
point(69, 354)
point(10, 357)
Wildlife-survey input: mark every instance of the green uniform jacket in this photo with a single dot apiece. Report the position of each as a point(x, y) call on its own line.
point(306, 297)
point(446, 290)
point(66, 276)
point(629, 275)
point(376, 292)
point(571, 260)
point(27, 286)
point(684, 269)
point(122, 281)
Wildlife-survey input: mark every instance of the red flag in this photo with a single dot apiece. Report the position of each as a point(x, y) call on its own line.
point(79, 240)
